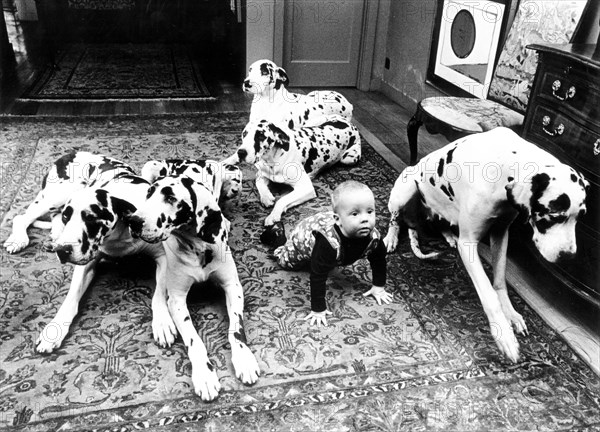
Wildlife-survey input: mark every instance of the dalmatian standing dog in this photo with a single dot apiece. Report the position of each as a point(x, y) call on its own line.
point(185, 216)
point(480, 183)
point(273, 102)
point(89, 197)
point(295, 156)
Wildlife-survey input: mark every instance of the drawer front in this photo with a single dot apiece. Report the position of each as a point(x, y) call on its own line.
point(566, 140)
point(568, 91)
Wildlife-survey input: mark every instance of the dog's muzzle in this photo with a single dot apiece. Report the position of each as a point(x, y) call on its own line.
point(136, 224)
point(63, 252)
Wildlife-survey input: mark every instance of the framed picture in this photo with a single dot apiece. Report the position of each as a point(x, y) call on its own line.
point(465, 45)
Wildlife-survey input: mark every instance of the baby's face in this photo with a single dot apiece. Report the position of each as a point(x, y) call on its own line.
point(356, 214)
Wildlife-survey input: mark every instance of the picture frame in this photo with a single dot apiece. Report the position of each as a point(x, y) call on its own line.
point(466, 45)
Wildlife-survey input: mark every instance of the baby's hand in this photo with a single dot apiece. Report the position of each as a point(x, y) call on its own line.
point(380, 294)
point(318, 317)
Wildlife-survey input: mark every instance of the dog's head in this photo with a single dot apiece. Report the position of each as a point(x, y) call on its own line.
point(264, 75)
point(553, 200)
point(88, 218)
point(259, 138)
point(178, 202)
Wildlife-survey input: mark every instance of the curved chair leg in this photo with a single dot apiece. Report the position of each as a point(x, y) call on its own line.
point(412, 130)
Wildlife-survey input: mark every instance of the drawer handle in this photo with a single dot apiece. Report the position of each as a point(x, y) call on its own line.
point(559, 130)
point(568, 95)
point(597, 147)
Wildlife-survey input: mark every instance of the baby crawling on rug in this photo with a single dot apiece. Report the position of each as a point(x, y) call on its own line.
point(330, 239)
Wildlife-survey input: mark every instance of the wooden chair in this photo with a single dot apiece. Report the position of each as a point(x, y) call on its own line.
point(454, 117)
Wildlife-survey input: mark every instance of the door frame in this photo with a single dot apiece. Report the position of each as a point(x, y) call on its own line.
point(265, 40)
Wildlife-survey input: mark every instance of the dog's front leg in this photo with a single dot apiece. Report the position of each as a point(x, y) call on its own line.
point(262, 186)
point(204, 374)
point(163, 327)
point(303, 191)
point(56, 330)
point(501, 329)
point(499, 246)
point(244, 362)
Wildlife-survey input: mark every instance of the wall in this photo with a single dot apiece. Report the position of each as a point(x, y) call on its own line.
point(407, 45)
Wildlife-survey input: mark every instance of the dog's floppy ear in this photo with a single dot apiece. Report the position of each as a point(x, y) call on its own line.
point(519, 196)
point(281, 78)
point(211, 226)
point(122, 208)
point(282, 139)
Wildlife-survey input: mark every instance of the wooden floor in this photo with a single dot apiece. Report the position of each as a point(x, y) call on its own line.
point(381, 122)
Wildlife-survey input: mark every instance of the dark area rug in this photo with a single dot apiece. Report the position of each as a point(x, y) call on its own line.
point(425, 362)
point(120, 71)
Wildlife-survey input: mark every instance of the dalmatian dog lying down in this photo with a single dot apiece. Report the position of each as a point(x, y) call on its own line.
point(224, 180)
point(185, 216)
point(479, 184)
point(273, 102)
point(295, 156)
point(89, 197)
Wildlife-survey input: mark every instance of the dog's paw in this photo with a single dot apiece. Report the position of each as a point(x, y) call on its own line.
point(206, 382)
point(391, 242)
point(518, 323)
point(163, 329)
point(50, 338)
point(505, 339)
point(272, 219)
point(267, 200)
point(245, 365)
point(16, 242)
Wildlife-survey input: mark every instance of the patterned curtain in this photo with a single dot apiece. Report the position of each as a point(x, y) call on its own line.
point(536, 21)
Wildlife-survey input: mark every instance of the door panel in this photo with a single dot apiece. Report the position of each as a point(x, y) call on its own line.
point(322, 40)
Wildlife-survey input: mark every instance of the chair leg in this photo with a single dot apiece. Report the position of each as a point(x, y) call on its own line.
point(412, 130)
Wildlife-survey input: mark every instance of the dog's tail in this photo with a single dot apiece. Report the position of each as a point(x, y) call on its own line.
point(413, 236)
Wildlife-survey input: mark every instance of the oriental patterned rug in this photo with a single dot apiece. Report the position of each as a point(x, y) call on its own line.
point(424, 362)
point(120, 71)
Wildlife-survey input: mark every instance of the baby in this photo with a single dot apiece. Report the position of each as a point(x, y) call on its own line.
point(331, 239)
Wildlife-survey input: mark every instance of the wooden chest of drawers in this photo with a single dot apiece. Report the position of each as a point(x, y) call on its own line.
point(563, 117)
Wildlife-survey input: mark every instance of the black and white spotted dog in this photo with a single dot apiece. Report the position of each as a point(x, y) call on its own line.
point(479, 184)
point(185, 216)
point(224, 180)
point(89, 197)
point(273, 102)
point(295, 156)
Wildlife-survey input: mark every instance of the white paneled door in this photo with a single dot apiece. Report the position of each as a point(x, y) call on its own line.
point(322, 42)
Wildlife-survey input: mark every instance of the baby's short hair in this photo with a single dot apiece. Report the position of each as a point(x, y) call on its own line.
point(344, 188)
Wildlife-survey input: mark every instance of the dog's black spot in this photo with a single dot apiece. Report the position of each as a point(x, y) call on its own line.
point(244, 133)
point(313, 154)
point(240, 334)
point(539, 183)
point(450, 190)
point(336, 124)
point(259, 138)
point(283, 139)
point(67, 214)
point(151, 191)
point(306, 114)
point(187, 318)
point(121, 207)
point(449, 155)
point(574, 178)
point(210, 366)
point(446, 191)
point(440, 169)
point(432, 181)
point(211, 226)
point(510, 178)
point(62, 164)
point(183, 215)
point(560, 204)
point(85, 243)
point(208, 257)
point(159, 222)
point(91, 170)
point(44, 180)
point(102, 197)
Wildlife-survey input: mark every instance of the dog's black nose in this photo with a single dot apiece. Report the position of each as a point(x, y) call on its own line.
point(135, 225)
point(63, 252)
point(565, 256)
point(242, 154)
point(246, 84)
